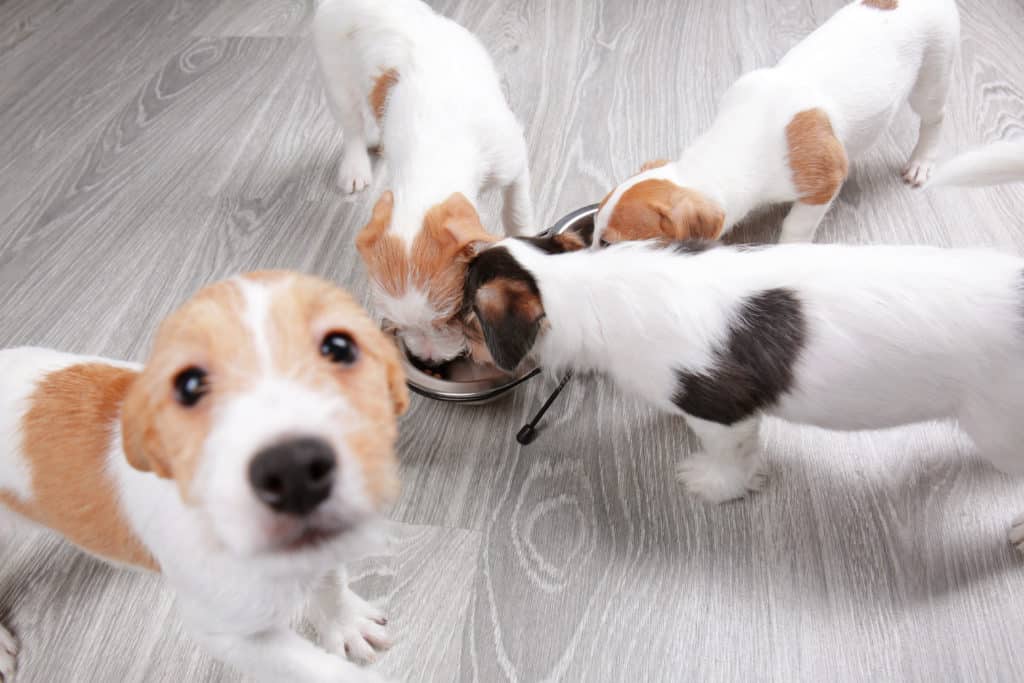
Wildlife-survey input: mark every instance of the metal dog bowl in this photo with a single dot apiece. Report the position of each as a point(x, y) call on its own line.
point(462, 380)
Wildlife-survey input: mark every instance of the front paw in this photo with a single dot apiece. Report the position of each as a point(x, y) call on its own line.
point(717, 479)
point(8, 655)
point(359, 631)
point(917, 172)
point(354, 172)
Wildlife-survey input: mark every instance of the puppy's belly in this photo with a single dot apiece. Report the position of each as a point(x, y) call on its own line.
point(850, 409)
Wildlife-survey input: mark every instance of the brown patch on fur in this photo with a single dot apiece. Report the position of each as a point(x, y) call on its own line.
point(653, 164)
point(816, 157)
point(660, 209)
point(379, 94)
point(69, 434)
point(881, 4)
point(505, 296)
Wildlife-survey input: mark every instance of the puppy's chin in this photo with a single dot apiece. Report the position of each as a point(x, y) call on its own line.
point(310, 549)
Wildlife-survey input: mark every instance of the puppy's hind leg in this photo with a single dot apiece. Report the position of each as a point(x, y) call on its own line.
point(729, 467)
point(8, 655)
point(928, 100)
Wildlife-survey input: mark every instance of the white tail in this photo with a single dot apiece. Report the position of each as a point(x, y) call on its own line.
point(1000, 162)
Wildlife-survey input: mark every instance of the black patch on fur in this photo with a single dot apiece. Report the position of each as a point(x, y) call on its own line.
point(508, 333)
point(756, 366)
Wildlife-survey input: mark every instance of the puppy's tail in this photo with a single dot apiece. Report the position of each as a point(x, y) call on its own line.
point(995, 164)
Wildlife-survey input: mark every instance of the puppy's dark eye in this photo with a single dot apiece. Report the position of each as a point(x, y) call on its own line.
point(190, 386)
point(603, 243)
point(338, 347)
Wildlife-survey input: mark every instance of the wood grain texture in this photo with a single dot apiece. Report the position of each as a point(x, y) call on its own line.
point(147, 148)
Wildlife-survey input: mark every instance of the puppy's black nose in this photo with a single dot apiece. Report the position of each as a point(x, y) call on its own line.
point(295, 476)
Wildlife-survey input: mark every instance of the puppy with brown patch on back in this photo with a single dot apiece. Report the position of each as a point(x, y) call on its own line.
point(246, 461)
point(786, 134)
point(424, 91)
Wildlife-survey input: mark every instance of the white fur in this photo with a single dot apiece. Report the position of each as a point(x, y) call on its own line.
point(894, 335)
point(235, 589)
point(994, 164)
point(859, 67)
point(447, 126)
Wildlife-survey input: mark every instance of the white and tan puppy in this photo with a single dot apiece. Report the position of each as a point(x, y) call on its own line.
point(424, 90)
point(245, 462)
point(839, 337)
point(786, 133)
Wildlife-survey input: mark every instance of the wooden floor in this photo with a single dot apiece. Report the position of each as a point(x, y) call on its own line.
point(150, 146)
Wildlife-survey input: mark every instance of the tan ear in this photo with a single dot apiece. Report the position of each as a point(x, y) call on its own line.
point(455, 227)
point(138, 434)
point(380, 221)
point(691, 215)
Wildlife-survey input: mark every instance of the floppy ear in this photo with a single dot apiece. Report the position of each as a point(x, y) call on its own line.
point(138, 434)
point(454, 225)
point(380, 221)
point(510, 313)
point(690, 215)
point(382, 252)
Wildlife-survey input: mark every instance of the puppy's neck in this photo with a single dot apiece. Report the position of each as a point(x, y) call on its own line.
point(592, 315)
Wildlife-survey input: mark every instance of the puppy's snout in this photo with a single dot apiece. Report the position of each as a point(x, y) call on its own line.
point(293, 477)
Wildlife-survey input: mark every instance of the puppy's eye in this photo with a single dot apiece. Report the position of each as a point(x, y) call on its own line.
point(603, 243)
point(338, 347)
point(190, 386)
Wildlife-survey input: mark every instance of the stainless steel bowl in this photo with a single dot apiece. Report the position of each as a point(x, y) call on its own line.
point(483, 384)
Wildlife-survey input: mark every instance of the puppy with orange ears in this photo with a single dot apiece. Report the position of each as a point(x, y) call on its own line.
point(422, 90)
point(785, 134)
point(245, 462)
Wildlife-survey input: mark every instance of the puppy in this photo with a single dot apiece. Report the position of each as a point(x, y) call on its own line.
point(840, 337)
point(786, 133)
point(424, 90)
point(992, 164)
point(245, 462)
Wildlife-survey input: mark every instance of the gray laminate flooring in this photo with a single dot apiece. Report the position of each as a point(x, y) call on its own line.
point(150, 146)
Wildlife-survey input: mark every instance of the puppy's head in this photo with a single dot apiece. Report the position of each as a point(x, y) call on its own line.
point(506, 302)
point(271, 400)
point(418, 288)
point(647, 207)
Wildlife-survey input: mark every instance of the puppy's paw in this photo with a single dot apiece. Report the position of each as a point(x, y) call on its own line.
point(359, 631)
point(718, 479)
point(8, 655)
point(917, 172)
point(354, 172)
point(1017, 533)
